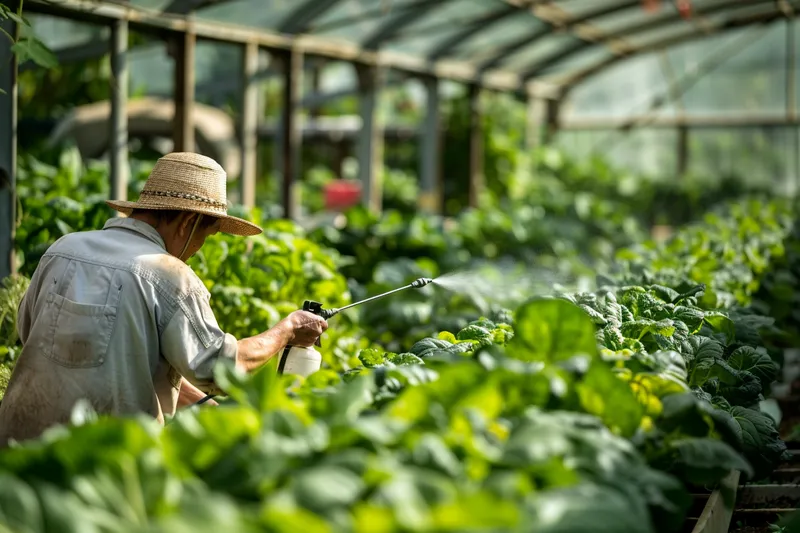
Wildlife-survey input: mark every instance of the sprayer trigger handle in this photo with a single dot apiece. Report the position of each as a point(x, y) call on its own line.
point(316, 308)
point(312, 307)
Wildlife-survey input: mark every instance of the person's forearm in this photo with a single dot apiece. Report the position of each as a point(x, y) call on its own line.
point(189, 395)
point(254, 352)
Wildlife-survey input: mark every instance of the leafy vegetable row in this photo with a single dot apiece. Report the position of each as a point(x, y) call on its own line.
point(483, 428)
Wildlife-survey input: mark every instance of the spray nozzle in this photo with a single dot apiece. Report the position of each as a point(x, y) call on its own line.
point(421, 282)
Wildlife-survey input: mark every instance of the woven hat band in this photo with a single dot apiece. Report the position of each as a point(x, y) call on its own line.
point(209, 202)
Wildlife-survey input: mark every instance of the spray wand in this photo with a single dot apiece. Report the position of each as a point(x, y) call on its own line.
point(305, 361)
point(328, 313)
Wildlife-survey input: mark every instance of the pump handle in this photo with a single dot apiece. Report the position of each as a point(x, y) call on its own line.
point(316, 308)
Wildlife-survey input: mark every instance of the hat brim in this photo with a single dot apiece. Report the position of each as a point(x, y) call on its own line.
point(228, 224)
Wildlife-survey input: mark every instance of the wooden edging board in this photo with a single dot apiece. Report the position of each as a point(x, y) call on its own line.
point(716, 515)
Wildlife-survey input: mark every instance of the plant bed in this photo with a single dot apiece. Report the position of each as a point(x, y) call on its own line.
point(714, 515)
point(784, 476)
point(751, 529)
point(755, 520)
point(792, 462)
point(768, 497)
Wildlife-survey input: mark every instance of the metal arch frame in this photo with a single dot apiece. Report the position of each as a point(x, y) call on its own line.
point(528, 40)
point(726, 26)
point(473, 28)
point(348, 20)
point(105, 11)
point(299, 20)
point(390, 28)
point(183, 7)
point(484, 75)
point(632, 29)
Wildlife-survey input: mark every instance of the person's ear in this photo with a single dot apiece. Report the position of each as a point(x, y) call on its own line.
point(185, 224)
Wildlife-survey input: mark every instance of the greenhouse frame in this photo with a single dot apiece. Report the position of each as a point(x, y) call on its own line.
point(542, 52)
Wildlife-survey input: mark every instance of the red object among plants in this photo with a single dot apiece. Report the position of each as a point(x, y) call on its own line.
point(341, 194)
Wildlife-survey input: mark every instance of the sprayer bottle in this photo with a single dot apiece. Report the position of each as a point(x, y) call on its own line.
point(302, 360)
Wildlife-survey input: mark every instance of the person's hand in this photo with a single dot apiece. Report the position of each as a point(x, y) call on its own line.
point(304, 328)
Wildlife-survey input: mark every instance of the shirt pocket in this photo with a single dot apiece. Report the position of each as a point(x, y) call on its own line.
point(80, 333)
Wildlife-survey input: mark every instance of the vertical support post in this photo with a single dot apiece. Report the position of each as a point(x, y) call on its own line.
point(291, 139)
point(683, 149)
point(8, 148)
point(316, 84)
point(552, 120)
point(430, 190)
point(791, 70)
point(791, 97)
point(183, 123)
point(249, 126)
point(119, 110)
point(533, 122)
point(370, 140)
point(476, 176)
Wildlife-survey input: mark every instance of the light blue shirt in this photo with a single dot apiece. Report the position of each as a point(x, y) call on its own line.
point(113, 318)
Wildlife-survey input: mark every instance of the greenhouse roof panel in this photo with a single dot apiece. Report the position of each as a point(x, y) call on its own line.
point(356, 20)
point(500, 43)
point(489, 43)
point(267, 14)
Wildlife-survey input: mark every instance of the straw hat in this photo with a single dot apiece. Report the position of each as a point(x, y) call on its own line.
point(187, 181)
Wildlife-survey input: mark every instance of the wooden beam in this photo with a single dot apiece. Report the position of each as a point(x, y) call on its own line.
point(535, 114)
point(291, 140)
point(370, 140)
point(683, 150)
point(103, 11)
point(552, 120)
point(249, 126)
point(791, 70)
point(118, 154)
point(476, 148)
point(183, 123)
point(8, 148)
point(429, 149)
point(672, 122)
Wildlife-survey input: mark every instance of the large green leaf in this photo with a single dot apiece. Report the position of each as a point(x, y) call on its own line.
point(756, 361)
point(761, 442)
point(707, 461)
point(552, 330)
point(602, 394)
point(32, 48)
point(588, 509)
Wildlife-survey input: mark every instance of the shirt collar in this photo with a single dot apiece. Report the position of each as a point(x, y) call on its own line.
point(137, 226)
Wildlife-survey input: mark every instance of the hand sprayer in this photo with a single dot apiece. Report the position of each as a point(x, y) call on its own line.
point(304, 361)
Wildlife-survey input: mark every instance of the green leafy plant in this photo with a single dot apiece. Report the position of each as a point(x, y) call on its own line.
point(11, 294)
point(26, 46)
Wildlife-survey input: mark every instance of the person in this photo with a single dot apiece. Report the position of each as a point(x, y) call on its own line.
point(116, 316)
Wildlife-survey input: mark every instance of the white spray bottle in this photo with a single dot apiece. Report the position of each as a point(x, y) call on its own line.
point(306, 361)
point(303, 360)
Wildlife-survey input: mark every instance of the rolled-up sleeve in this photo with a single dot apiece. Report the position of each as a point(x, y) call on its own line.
point(193, 342)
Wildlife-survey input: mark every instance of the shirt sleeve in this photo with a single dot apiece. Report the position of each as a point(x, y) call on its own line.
point(193, 342)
